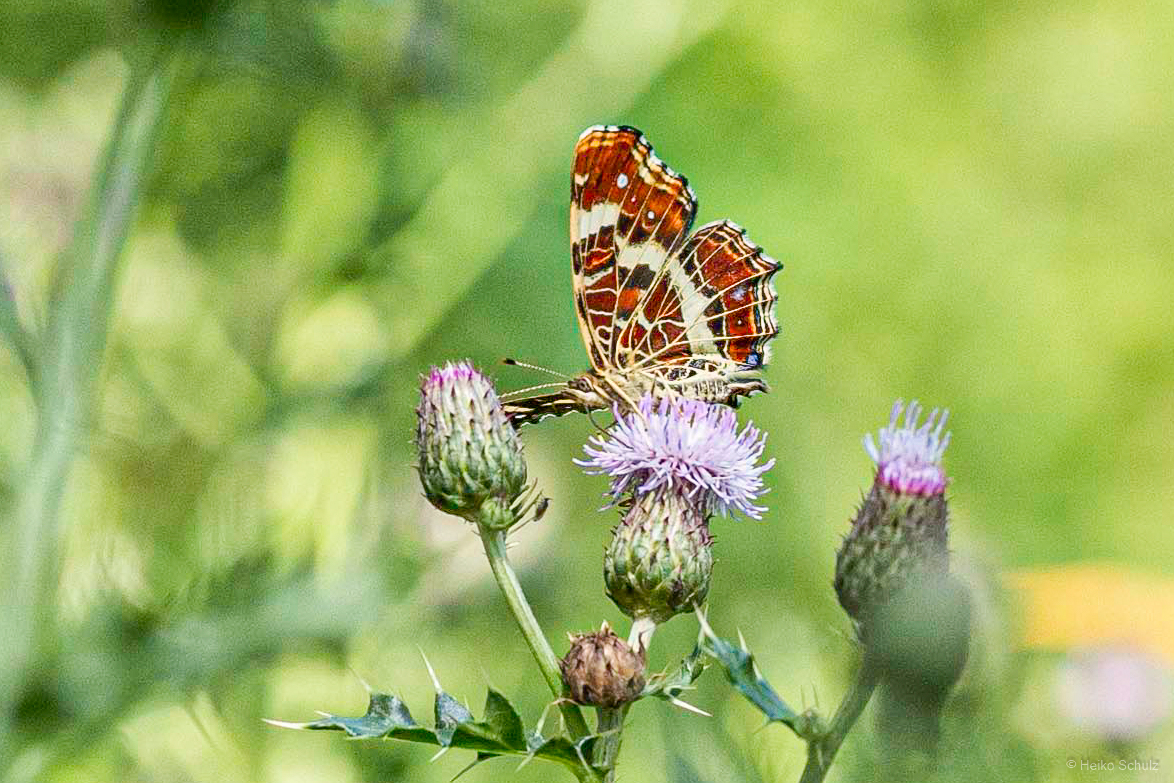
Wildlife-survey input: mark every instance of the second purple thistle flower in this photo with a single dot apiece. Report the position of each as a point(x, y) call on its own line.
point(693, 446)
point(909, 457)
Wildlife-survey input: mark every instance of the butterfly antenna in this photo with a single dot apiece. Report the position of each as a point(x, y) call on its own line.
point(511, 394)
point(528, 366)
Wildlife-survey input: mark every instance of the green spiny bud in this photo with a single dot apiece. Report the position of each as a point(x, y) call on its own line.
point(601, 670)
point(659, 562)
point(894, 539)
point(471, 461)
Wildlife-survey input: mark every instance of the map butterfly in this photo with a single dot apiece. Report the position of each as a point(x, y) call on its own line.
point(660, 310)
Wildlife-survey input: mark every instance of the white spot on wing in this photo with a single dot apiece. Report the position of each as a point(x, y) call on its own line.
point(622, 181)
point(651, 215)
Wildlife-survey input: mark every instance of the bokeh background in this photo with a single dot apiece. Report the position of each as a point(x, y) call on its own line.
point(215, 497)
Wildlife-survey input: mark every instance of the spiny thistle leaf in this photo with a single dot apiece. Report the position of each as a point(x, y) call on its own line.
point(574, 754)
point(500, 733)
point(501, 716)
point(387, 716)
point(450, 714)
point(739, 667)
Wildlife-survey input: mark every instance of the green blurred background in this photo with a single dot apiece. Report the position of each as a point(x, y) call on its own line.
point(973, 204)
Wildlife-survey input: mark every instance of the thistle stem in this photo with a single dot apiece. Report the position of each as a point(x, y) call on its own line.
point(610, 727)
point(640, 634)
point(822, 749)
point(511, 588)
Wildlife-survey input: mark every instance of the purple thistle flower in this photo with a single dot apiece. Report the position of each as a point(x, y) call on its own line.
point(690, 445)
point(909, 458)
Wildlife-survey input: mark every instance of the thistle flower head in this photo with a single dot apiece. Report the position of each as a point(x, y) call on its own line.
point(659, 562)
point(909, 457)
point(469, 454)
point(693, 446)
point(900, 532)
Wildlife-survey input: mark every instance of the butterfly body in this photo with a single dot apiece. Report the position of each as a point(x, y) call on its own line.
point(591, 391)
point(661, 310)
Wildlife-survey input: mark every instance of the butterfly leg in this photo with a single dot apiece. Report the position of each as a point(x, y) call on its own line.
point(622, 394)
point(600, 429)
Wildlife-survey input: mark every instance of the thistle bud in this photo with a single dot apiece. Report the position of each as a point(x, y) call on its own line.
point(601, 670)
point(899, 533)
point(471, 460)
point(919, 640)
point(659, 562)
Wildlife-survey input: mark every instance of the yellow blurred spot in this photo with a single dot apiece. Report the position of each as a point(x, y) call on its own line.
point(1086, 604)
point(180, 345)
point(317, 476)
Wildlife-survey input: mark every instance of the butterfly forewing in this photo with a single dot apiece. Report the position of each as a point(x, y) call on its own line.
point(629, 213)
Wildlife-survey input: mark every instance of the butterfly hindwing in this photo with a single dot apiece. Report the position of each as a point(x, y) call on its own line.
point(629, 213)
point(713, 307)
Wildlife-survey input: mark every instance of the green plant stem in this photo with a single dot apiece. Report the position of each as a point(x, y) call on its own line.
point(67, 382)
point(822, 749)
point(610, 727)
point(511, 588)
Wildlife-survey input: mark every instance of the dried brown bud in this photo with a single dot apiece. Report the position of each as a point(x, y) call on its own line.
point(601, 670)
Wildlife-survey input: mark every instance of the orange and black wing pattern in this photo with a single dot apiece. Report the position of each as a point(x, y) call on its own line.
point(713, 308)
point(630, 213)
point(649, 296)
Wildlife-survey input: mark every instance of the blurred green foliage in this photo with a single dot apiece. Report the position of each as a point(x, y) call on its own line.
point(973, 205)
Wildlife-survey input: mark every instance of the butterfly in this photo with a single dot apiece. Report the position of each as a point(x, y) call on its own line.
point(661, 310)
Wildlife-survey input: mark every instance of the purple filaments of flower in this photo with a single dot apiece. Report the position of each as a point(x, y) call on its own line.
point(909, 457)
point(450, 373)
point(691, 444)
point(459, 389)
point(458, 380)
